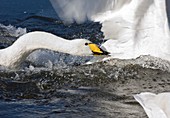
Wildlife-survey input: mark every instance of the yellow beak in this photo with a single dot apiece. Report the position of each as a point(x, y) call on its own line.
point(96, 50)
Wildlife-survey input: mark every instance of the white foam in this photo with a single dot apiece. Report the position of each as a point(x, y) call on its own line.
point(13, 31)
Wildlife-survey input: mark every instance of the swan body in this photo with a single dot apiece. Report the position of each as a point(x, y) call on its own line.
point(155, 106)
point(132, 27)
point(15, 54)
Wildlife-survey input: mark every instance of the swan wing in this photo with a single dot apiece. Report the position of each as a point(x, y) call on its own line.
point(154, 105)
point(134, 19)
point(140, 27)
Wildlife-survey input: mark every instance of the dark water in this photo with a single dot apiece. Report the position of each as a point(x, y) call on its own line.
point(55, 85)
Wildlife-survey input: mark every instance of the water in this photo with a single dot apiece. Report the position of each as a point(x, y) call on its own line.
point(52, 84)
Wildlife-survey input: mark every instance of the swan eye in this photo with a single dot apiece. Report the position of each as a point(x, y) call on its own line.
point(86, 44)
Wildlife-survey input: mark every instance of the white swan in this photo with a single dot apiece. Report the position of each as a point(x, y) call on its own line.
point(15, 54)
point(132, 27)
point(155, 106)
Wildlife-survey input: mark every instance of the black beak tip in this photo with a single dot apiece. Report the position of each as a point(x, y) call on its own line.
point(103, 53)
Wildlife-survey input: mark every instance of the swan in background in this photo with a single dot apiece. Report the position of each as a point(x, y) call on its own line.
point(132, 27)
point(155, 106)
point(15, 54)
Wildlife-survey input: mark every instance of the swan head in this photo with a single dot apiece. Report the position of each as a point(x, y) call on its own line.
point(85, 47)
point(80, 48)
point(96, 49)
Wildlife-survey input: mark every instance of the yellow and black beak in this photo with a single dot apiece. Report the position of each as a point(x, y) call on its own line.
point(96, 50)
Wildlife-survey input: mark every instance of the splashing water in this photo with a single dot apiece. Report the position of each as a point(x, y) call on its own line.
point(80, 10)
point(12, 31)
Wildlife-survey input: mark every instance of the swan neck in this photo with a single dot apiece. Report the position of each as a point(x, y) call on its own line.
point(14, 55)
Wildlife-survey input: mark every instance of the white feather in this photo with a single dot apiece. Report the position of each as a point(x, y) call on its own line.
point(155, 106)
